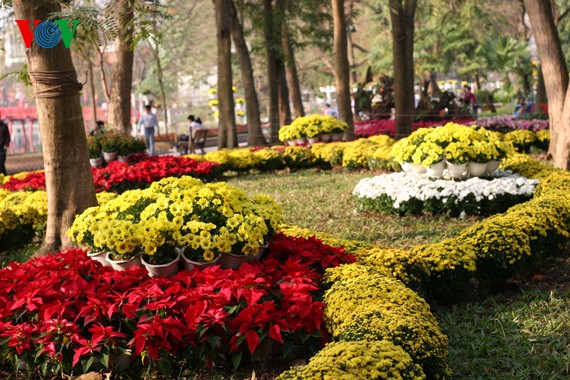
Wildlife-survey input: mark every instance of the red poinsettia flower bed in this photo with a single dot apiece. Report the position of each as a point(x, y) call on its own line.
point(66, 312)
point(121, 176)
point(367, 128)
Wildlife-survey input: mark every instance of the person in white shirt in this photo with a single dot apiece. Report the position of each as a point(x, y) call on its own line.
point(150, 122)
point(195, 124)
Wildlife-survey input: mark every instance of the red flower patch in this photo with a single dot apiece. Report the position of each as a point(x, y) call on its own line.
point(67, 308)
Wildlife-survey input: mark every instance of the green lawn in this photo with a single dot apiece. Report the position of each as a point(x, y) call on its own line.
point(323, 202)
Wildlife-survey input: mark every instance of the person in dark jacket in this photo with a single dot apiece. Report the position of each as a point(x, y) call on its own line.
point(4, 144)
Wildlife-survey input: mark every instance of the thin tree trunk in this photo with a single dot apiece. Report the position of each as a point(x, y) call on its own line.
point(254, 133)
point(402, 16)
point(69, 184)
point(291, 71)
point(556, 79)
point(122, 77)
point(159, 77)
point(92, 92)
point(283, 90)
point(540, 92)
point(227, 136)
point(106, 91)
point(351, 58)
point(282, 87)
point(271, 71)
point(342, 72)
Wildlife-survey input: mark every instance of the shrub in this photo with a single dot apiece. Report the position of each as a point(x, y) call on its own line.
point(521, 140)
point(328, 154)
point(297, 157)
point(417, 333)
point(358, 360)
point(351, 292)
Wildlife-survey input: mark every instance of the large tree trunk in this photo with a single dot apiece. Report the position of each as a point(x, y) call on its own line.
point(69, 183)
point(342, 71)
point(402, 16)
point(254, 133)
point(122, 76)
point(271, 71)
point(291, 71)
point(227, 136)
point(555, 74)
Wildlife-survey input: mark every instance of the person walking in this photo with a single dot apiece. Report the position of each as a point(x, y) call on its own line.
point(4, 144)
point(149, 121)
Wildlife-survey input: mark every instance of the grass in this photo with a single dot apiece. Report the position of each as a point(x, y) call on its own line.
point(525, 335)
point(322, 201)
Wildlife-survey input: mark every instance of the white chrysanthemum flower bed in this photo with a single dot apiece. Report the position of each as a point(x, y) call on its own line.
point(407, 193)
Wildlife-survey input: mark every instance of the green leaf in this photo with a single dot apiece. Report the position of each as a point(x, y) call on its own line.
point(236, 359)
point(105, 356)
point(87, 363)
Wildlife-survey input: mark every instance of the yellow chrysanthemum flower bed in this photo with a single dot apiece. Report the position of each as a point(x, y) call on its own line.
point(358, 360)
point(179, 212)
point(455, 142)
point(521, 139)
point(311, 126)
point(349, 292)
point(417, 333)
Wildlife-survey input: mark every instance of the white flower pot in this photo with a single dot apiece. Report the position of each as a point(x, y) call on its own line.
point(162, 270)
point(456, 171)
point(123, 158)
point(313, 140)
point(407, 167)
point(300, 141)
point(418, 169)
point(100, 257)
point(121, 265)
point(477, 169)
point(436, 170)
point(96, 162)
point(109, 156)
point(492, 166)
point(190, 265)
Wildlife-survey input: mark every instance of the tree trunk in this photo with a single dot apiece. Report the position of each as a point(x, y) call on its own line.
point(283, 90)
point(227, 136)
point(540, 92)
point(402, 16)
point(555, 74)
point(351, 57)
point(342, 71)
point(291, 71)
point(254, 132)
point(271, 71)
point(122, 76)
point(92, 92)
point(69, 183)
point(159, 76)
